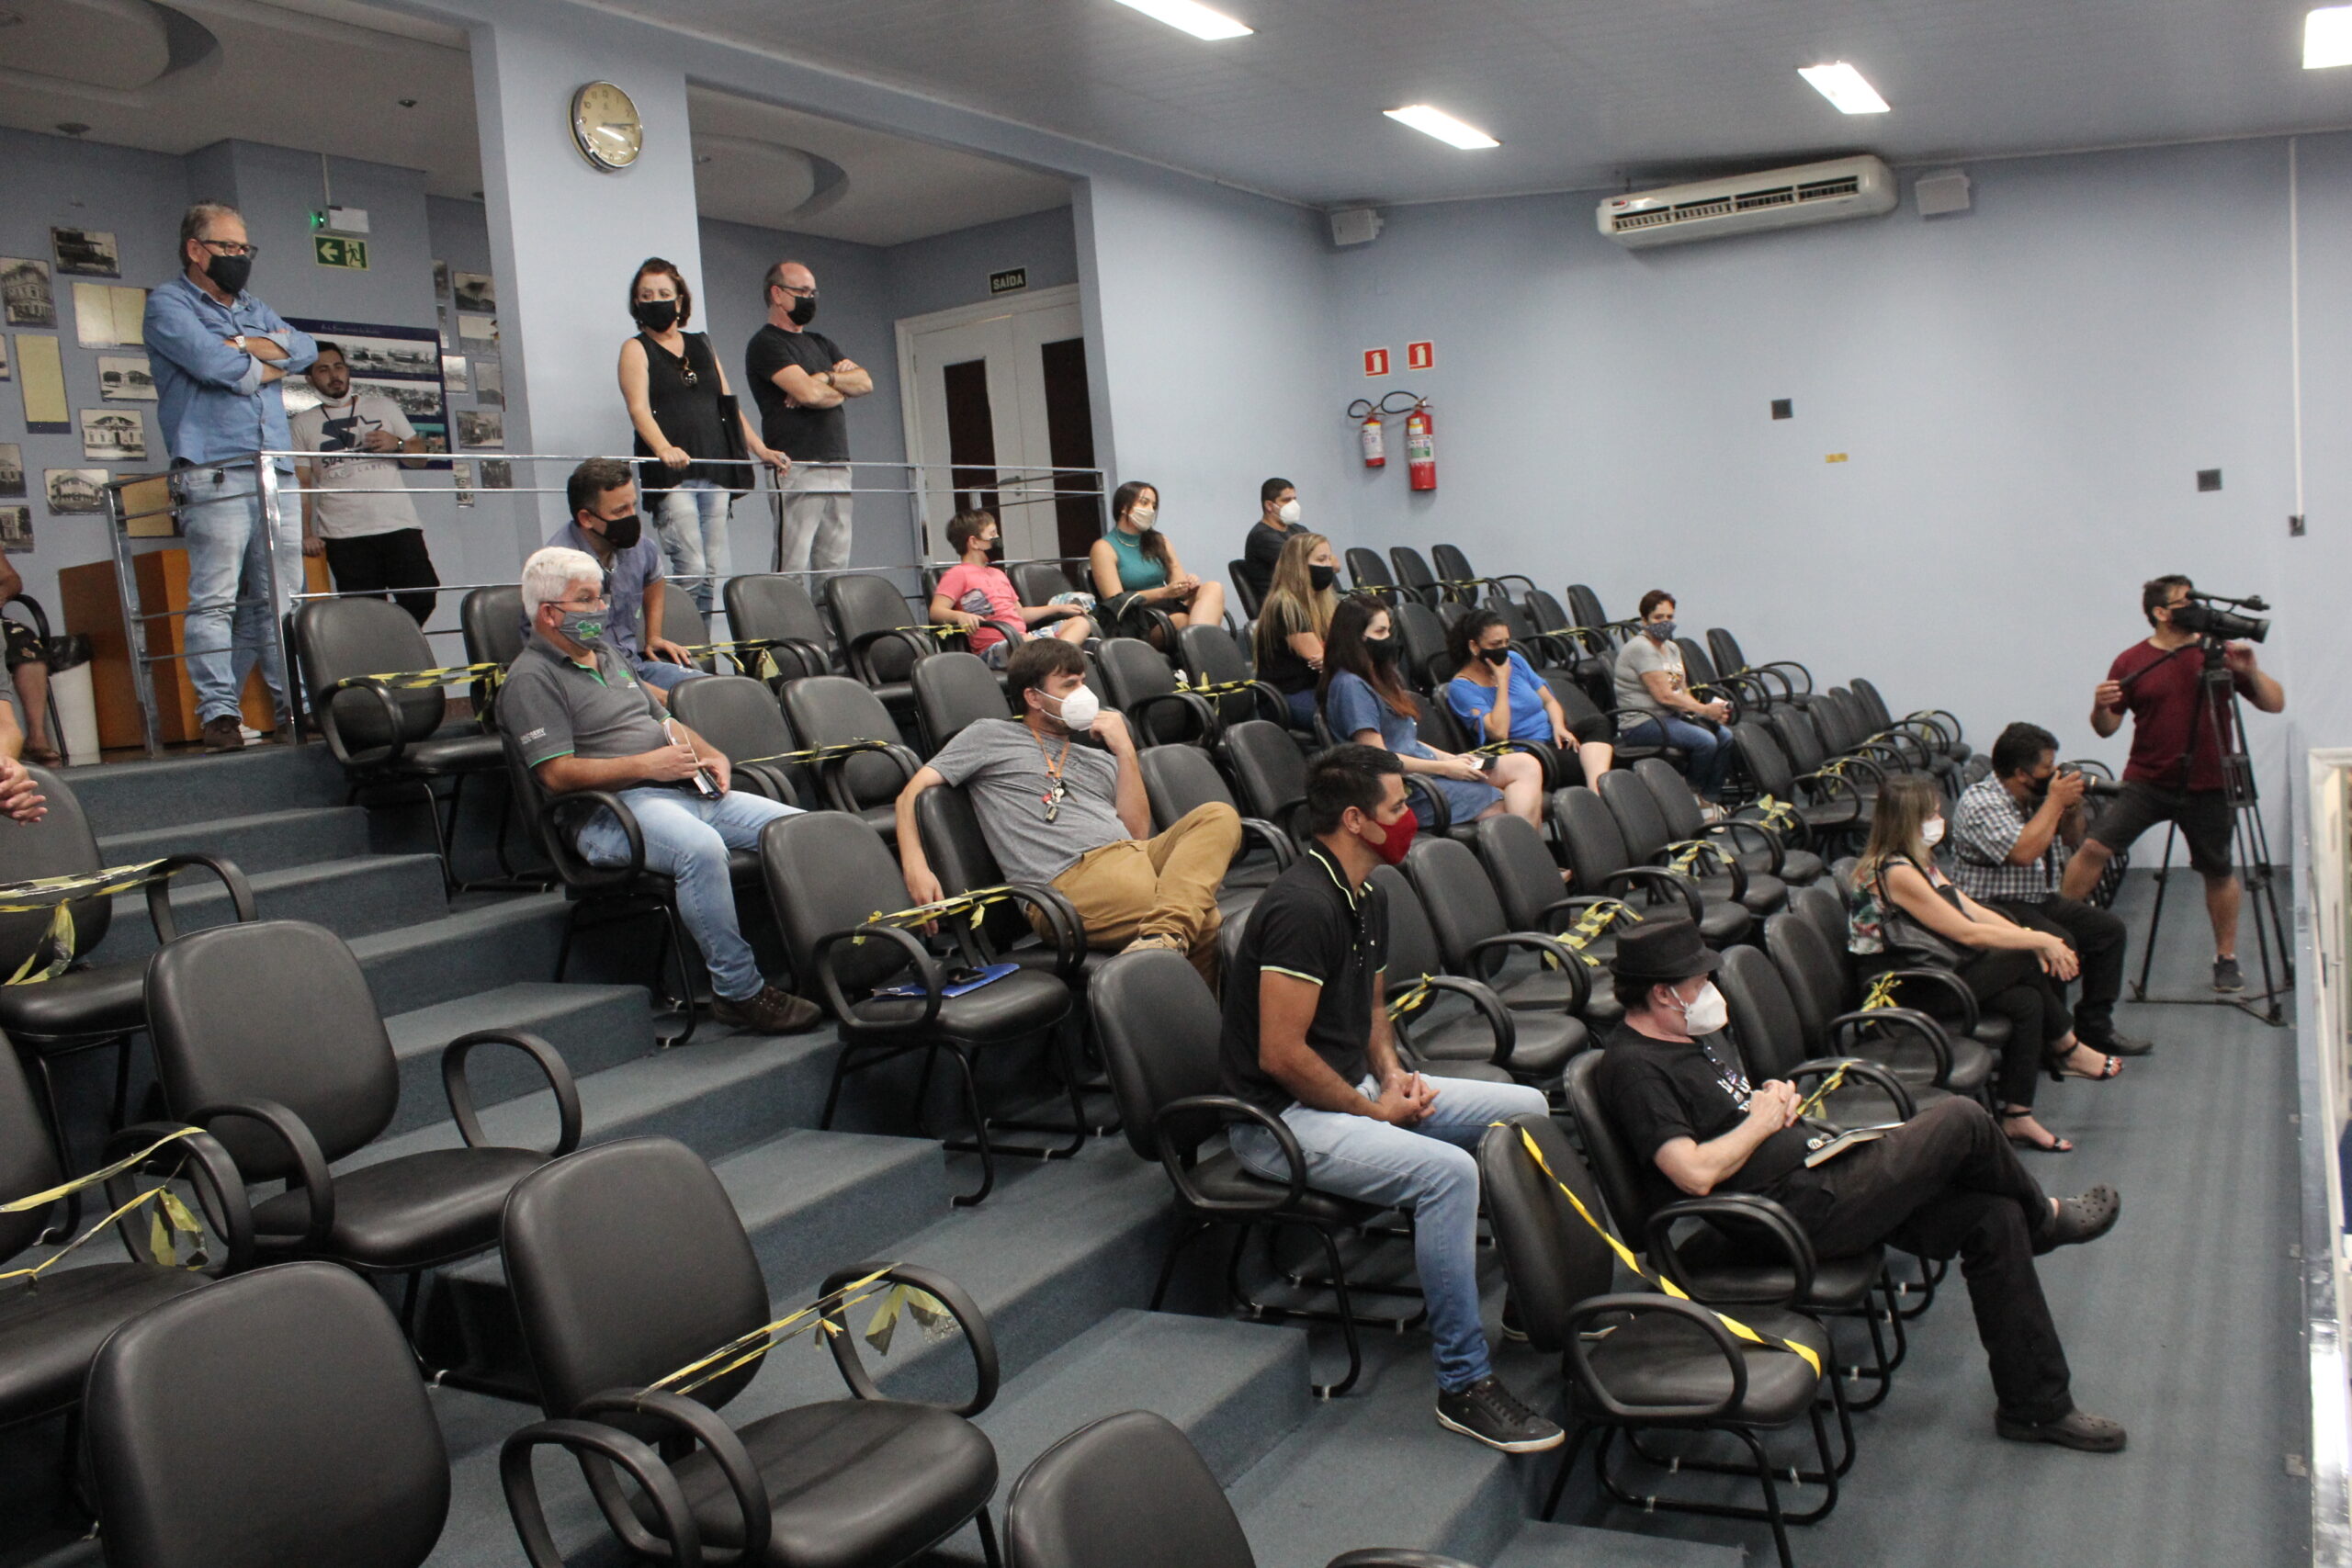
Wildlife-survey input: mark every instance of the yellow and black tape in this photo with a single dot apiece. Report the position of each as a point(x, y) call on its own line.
point(926, 1309)
point(57, 895)
point(491, 672)
point(169, 1215)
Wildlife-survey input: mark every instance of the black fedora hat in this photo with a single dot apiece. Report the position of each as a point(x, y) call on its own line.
point(1663, 951)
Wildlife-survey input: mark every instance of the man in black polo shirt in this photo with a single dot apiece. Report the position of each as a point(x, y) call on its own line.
point(583, 720)
point(1945, 1182)
point(1307, 1038)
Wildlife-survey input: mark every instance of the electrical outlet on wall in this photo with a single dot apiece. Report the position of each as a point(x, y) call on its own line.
point(1784, 408)
point(2208, 479)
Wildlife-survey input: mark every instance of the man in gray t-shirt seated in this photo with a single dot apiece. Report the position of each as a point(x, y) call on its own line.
point(1058, 809)
point(1654, 705)
point(584, 720)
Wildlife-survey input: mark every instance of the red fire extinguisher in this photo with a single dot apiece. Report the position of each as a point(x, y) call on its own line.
point(1369, 433)
point(1420, 447)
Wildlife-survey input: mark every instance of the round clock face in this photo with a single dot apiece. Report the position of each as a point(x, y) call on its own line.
point(604, 123)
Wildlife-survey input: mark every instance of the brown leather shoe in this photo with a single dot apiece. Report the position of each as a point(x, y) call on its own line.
point(770, 1012)
point(225, 734)
point(2075, 1429)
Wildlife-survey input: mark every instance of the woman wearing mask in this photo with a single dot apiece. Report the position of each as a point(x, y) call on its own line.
point(687, 427)
point(1905, 913)
point(1364, 701)
point(1294, 621)
point(976, 592)
point(1498, 696)
point(1134, 558)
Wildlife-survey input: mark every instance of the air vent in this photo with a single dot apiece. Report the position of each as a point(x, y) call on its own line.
point(1776, 198)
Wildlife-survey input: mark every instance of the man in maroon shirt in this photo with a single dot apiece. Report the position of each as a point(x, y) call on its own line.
point(2175, 773)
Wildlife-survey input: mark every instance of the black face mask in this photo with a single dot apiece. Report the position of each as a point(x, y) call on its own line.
point(1498, 657)
point(655, 315)
point(230, 273)
point(1323, 579)
point(623, 530)
point(1383, 649)
point(2038, 790)
point(803, 312)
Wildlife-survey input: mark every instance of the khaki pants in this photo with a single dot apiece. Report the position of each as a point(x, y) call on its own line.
point(1162, 886)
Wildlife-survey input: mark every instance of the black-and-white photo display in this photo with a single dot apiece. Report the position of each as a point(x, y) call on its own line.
point(478, 428)
point(74, 490)
point(403, 363)
point(16, 530)
point(453, 374)
point(12, 469)
point(87, 252)
point(24, 284)
point(113, 435)
point(490, 384)
point(475, 291)
point(497, 473)
point(441, 281)
point(391, 355)
point(126, 379)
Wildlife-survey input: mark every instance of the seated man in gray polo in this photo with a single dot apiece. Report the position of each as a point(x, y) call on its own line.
point(584, 720)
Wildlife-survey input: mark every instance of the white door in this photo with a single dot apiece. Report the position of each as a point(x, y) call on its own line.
point(976, 416)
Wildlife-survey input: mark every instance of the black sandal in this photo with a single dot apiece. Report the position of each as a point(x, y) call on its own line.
point(2059, 1072)
point(2057, 1146)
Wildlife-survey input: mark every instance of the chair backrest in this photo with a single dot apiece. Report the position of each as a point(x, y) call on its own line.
point(775, 607)
point(1366, 570)
point(1413, 574)
point(272, 1420)
point(1671, 794)
point(1269, 769)
point(1638, 818)
point(1547, 613)
point(1425, 665)
point(862, 602)
point(740, 716)
point(1438, 725)
point(682, 621)
point(1608, 1157)
point(1128, 1491)
point(1161, 1032)
point(958, 851)
point(1245, 588)
point(1697, 668)
point(28, 1162)
point(1794, 729)
point(1874, 708)
point(272, 1010)
point(627, 1261)
point(338, 638)
point(1037, 581)
point(1552, 1258)
point(1814, 972)
point(492, 620)
point(1763, 761)
point(1585, 605)
point(1575, 704)
point(832, 710)
point(1588, 831)
point(953, 690)
point(60, 844)
point(1520, 865)
point(1136, 671)
point(1763, 1015)
point(1724, 648)
point(1179, 779)
point(1412, 942)
point(1212, 653)
point(1824, 904)
point(1452, 565)
point(1461, 903)
point(827, 872)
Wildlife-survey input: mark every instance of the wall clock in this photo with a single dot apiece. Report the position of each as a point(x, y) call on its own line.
point(604, 123)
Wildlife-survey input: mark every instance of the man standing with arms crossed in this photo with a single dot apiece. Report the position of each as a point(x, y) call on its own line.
point(801, 379)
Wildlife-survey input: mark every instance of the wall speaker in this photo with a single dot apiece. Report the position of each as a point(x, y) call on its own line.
point(1355, 226)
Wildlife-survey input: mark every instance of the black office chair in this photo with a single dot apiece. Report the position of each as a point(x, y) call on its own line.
point(1160, 1029)
point(1268, 767)
point(1604, 867)
point(268, 1035)
point(1426, 665)
point(1454, 566)
point(1180, 780)
point(492, 620)
point(1245, 588)
point(834, 711)
point(1038, 581)
point(1789, 680)
point(1770, 1035)
point(881, 635)
point(1715, 871)
point(1215, 656)
point(1912, 1040)
point(683, 623)
point(1477, 938)
point(1767, 853)
point(1414, 576)
point(1482, 1041)
point(1664, 1364)
point(1369, 574)
point(386, 736)
point(275, 1420)
point(1831, 808)
point(739, 716)
point(628, 1262)
point(952, 691)
point(1142, 684)
point(828, 877)
point(776, 610)
point(1129, 1490)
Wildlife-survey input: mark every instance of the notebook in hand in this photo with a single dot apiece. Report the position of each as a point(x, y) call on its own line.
point(1826, 1146)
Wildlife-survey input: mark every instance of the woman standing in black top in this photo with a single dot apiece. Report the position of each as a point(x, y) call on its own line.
point(687, 427)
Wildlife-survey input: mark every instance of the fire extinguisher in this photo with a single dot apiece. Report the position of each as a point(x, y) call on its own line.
point(1420, 447)
point(1370, 432)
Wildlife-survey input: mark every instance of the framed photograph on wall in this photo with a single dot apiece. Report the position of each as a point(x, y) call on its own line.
point(497, 473)
point(126, 379)
point(478, 428)
point(74, 491)
point(490, 384)
point(441, 281)
point(403, 363)
point(12, 469)
point(113, 435)
point(6, 373)
point(87, 252)
point(16, 530)
point(475, 291)
point(453, 374)
point(24, 284)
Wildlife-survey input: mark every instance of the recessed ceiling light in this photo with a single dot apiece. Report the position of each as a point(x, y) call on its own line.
point(1843, 85)
point(1192, 18)
point(1444, 127)
point(2328, 37)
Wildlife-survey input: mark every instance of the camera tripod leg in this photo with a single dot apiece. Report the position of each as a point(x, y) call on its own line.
point(2157, 914)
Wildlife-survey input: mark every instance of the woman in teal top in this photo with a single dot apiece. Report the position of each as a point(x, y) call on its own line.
point(1135, 559)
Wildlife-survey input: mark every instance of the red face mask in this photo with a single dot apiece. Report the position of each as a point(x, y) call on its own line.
point(1400, 839)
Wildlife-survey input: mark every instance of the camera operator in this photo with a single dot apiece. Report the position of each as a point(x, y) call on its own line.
point(2177, 743)
point(2012, 833)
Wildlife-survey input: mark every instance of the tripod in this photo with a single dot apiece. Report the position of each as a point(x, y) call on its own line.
point(2218, 706)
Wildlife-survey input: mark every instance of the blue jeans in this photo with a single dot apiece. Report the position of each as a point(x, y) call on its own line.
point(1427, 1168)
point(692, 523)
point(659, 673)
point(1709, 750)
point(1302, 709)
point(686, 839)
point(230, 616)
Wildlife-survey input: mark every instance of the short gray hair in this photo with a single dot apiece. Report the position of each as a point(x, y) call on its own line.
point(198, 219)
point(550, 574)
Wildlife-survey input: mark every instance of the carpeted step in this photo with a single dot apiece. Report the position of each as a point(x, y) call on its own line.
point(462, 953)
point(594, 1027)
point(256, 842)
point(129, 797)
point(1542, 1545)
point(352, 897)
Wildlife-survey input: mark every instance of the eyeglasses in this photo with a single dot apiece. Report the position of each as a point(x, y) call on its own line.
point(809, 293)
point(230, 247)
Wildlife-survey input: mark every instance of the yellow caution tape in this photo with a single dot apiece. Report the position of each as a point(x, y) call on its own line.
point(1829, 1085)
point(820, 753)
point(973, 902)
point(1777, 814)
point(416, 680)
point(171, 1215)
point(57, 895)
point(746, 1348)
point(1596, 920)
point(1412, 998)
point(1881, 992)
point(1625, 1256)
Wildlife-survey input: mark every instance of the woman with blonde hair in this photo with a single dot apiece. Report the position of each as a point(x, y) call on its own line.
point(1294, 621)
point(1907, 913)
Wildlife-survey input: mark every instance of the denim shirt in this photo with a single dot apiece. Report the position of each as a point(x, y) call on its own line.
point(626, 575)
point(212, 402)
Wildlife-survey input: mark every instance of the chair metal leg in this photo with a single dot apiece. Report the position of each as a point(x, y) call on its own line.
point(980, 1145)
point(674, 945)
point(987, 1527)
point(1186, 1233)
point(1771, 1496)
point(68, 1228)
point(1568, 1467)
point(1347, 1320)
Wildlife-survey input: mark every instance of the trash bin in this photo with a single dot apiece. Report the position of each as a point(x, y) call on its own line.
point(70, 696)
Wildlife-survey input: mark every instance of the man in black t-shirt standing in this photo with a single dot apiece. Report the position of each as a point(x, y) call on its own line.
point(1945, 1182)
point(801, 379)
point(1308, 1039)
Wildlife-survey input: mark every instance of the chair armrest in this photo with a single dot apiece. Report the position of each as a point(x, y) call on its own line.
point(1902, 1020)
point(1824, 787)
point(1785, 664)
point(594, 1444)
point(1744, 1209)
point(310, 1162)
point(1657, 876)
point(700, 1423)
point(949, 1294)
point(861, 648)
point(1062, 913)
point(767, 779)
point(1278, 843)
point(159, 892)
point(833, 772)
point(1951, 986)
point(376, 756)
point(926, 969)
point(1441, 816)
point(1490, 1006)
point(215, 1178)
point(1069, 931)
point(1535, 941)
point(1544, 753)
point(571, 865)
point(1228, 1108)
point(1711, 848)
point(1867, 1071)
point(1731, 827)
point(551, 1062)
point(1641, 1302)
point(1395, 1557)
point(1197, 706)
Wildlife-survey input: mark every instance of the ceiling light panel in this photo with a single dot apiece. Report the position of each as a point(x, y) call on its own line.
point(1191, 18)
point(1844, 86)
point(1433, 121)
point(2328, 37)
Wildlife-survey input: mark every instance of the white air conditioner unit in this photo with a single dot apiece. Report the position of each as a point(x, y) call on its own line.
point(1749, 204)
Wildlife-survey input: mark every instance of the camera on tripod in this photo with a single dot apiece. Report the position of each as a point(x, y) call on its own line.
point(2203, 615)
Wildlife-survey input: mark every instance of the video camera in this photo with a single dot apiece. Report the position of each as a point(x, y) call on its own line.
point(2203, 615)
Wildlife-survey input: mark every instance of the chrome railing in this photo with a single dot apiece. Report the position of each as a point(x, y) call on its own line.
point(2324, 901)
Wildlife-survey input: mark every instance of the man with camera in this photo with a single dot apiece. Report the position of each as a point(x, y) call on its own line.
point(2012, 834)
point(2179, 737)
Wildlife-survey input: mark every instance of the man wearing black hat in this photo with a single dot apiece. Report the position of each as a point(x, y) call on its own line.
point(1945, 1182)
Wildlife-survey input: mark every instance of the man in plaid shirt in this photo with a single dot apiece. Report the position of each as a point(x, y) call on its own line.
point(2011, 834)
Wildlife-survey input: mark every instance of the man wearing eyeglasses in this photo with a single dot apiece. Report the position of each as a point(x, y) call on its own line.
point(801, 379)
point(218, 354)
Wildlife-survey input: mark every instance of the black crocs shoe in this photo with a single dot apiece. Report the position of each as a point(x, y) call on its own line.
point(1493, 1415)
point(2079, 1220)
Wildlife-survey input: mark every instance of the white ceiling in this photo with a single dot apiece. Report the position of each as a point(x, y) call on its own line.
point(1584, 93)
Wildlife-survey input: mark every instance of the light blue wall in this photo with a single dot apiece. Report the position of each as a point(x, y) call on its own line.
point(948, 270)
point(2314, 607)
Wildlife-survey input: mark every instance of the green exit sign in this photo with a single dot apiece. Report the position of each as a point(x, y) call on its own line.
point(332, 250)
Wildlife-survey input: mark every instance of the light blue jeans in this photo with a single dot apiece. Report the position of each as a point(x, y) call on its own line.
point(692, 520)
point(1427, 1168)
point(230, 615)
point(1710, 750)
point(687, 838)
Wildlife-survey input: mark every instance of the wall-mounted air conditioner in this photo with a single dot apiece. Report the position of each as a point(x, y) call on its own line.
point(1748, 204)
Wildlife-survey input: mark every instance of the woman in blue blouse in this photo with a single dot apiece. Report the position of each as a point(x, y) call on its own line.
point(1364, 701)
point(1498, 696)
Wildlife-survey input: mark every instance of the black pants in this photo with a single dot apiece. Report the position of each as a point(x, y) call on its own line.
point(1946, 1183)
point(2010, 981)
point(2098, 939)
point(375, 563)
